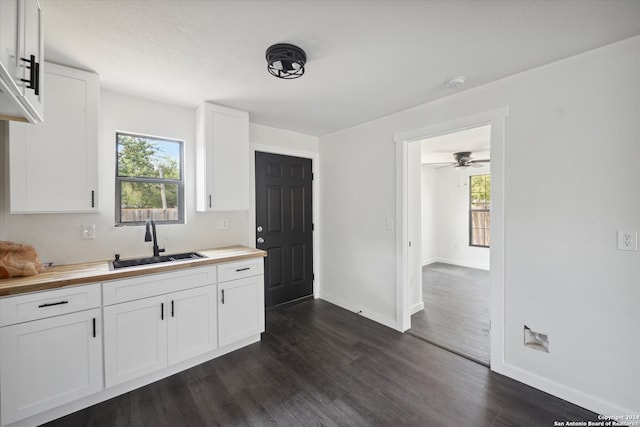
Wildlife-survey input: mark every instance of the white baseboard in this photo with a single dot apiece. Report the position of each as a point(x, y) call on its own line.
point(429, 261)
point(416, 308)
point(463, 263)
point(577, 397)
point(376, 317)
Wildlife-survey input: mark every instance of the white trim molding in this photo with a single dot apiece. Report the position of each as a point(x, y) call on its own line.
point(376, 317)
point(569, 394)
point(496, 118)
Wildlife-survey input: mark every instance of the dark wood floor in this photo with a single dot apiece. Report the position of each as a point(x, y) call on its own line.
point(456, 310)
point(318, 364)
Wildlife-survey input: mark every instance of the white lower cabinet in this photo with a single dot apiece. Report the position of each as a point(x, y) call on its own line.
point(192, 323)
point(53, 352)
point(49, 362)
point(241, 309)
point(146, 335)
point(135, 339)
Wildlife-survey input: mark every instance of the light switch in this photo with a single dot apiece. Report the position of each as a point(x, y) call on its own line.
point(390, 224)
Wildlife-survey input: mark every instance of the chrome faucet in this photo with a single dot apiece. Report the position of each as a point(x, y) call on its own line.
point(151, 225)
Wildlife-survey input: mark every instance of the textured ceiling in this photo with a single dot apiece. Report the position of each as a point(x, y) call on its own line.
point(366, 59)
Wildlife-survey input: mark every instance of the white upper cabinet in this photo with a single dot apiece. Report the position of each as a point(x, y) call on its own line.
point(54, 165)
point(222, 156)
point(21, 59)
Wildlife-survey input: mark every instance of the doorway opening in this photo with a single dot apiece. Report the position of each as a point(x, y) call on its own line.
point(454, 218)
point(408, 230)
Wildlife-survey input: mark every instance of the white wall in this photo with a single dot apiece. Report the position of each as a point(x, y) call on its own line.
point(571, 180)
point(452, 219)
point(261, 135)
point(57, 237)
point(429, 224)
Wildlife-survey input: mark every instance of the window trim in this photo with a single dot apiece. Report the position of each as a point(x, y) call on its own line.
point(120, 179)
point(472, 211)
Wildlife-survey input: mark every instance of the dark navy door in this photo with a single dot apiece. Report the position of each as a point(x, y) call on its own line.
point(284, 225)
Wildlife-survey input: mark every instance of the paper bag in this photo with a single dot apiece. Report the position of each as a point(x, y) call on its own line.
point(18, 260)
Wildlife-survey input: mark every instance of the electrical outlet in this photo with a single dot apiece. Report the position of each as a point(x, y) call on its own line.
point(223, 224)
point(628, 240)
point(88, 231)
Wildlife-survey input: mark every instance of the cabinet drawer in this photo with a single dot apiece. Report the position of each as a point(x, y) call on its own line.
point(38, 305)
point(118, 291)
point(240, 269)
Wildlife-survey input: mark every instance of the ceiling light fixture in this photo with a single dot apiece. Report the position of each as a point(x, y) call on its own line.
point(285, 61)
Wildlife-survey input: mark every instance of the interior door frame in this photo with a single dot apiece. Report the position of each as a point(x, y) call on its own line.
point(315, 169)
point(496, 118)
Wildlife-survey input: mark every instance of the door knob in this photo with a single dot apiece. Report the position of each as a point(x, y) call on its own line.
point(259, 229)
point(260, 240)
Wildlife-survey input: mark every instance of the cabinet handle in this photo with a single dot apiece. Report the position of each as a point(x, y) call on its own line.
point(172, 309)
point(161, 311)
point(34, 74)
point(36, 86)
point(223, 296)
point(243, 269)
point(210, 200)
point(52, 304)
point(93, 198)
point(94, 327)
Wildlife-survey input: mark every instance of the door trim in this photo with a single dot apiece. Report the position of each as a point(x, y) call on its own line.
point(315, 168)
point(497, 119)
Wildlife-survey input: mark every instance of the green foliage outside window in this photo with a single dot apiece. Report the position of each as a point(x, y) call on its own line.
point(480, 210)
point(148, 179)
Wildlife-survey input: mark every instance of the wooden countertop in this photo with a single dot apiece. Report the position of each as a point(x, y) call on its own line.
point(89, 272)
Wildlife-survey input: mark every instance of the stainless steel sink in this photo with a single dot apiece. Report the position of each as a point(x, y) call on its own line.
point(134, 262)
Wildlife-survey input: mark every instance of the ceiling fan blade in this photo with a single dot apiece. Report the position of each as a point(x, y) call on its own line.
point(480, 161)
point(440, 163)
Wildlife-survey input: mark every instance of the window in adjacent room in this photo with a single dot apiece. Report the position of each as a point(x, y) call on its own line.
point(149, 180)
point(479, 210)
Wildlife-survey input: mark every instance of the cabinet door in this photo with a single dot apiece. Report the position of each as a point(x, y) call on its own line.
point(9, 37)
point(223, 159)
point(49, 362)
point(135, 339)
point(240, 309)
point(54, 165)
point(192, 323)
point(32, 44)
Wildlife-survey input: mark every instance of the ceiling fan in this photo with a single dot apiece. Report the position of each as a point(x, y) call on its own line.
point(463, 159)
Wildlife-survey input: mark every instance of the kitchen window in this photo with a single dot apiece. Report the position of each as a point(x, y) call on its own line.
point(149, 180)
point(480, 210)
